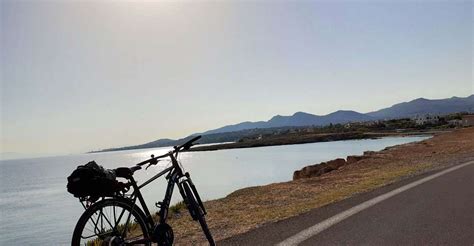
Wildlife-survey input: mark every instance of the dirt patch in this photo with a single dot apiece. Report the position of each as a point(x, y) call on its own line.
point(249, 208)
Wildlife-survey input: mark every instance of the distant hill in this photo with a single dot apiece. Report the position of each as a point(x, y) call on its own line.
point(422, 106)
point(235, 132)
point(297, 119)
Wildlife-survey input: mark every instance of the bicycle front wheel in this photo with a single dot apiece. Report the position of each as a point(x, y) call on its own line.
point(111, 222)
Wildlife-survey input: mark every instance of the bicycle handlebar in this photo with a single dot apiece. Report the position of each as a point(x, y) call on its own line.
point(189, 143)
point(184, 146)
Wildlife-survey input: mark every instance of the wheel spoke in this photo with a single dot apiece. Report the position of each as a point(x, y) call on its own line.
point(124, 233)
point(108, 222)
point(115, 217)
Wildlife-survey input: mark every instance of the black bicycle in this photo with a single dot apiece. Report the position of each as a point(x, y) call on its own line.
point(118, 220)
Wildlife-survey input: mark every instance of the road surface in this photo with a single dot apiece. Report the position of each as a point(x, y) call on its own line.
point(436, 208)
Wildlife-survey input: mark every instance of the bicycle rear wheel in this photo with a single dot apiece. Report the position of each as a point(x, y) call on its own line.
point(196, 211)
point(111, 222)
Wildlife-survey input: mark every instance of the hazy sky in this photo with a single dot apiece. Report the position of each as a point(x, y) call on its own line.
point(78, 76)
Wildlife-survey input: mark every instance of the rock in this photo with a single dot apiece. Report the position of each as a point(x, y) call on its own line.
point(369, 153)
point(324, 169)
point(297, 175)
point(306, 172)
point(319, 169)
point(353, 159)
point(312, 170)
point(337, 163)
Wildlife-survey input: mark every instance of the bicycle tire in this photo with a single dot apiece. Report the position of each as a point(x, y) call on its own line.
point(112, 234)
point(194, 207)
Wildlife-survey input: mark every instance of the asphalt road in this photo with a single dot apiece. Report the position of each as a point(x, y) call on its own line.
point(437, 212)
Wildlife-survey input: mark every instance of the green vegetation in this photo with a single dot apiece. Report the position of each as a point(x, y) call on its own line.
point(176, 209)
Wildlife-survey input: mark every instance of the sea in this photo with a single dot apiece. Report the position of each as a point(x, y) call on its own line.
point(36, 209)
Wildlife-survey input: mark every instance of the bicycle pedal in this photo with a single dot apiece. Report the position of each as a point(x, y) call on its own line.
point(158, 204)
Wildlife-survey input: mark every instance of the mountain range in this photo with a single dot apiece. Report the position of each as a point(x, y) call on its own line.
point(420, 106)
point(417, 107)
point(297, 119)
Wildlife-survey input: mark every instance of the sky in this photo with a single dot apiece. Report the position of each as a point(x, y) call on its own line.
point(86, 75)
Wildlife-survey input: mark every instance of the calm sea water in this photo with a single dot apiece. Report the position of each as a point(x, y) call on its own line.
point(37, 210)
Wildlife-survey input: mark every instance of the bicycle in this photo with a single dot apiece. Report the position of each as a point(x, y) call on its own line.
point(117, 220)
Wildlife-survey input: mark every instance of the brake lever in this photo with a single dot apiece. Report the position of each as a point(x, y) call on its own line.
point(153, 161)
point(151, 164)
point(190, 145)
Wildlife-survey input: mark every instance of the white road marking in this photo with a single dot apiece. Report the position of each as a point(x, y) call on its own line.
point(318, 228)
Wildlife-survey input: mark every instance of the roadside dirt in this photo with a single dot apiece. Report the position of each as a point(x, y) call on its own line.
point(251, 207)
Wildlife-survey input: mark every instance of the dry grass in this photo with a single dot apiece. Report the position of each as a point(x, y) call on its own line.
point(249, 208)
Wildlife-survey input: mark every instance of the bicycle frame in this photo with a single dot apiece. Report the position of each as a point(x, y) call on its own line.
point(174, 174)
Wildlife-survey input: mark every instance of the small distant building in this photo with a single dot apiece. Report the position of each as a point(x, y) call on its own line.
point(455, 122)
point(468, 120)
point(426, 119)
point(370, 123)
point(420, 120)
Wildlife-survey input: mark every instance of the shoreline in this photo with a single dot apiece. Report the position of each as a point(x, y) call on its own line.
point(311, 138)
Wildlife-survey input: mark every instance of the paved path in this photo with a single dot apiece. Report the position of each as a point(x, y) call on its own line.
point(432, 209)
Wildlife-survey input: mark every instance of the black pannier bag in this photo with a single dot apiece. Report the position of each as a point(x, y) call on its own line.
point(93, 181)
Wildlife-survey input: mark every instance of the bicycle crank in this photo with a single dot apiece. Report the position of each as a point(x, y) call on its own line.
point(163, 235)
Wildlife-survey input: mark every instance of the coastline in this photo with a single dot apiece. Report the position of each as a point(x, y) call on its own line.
point(251, 207)
point(310, 138)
